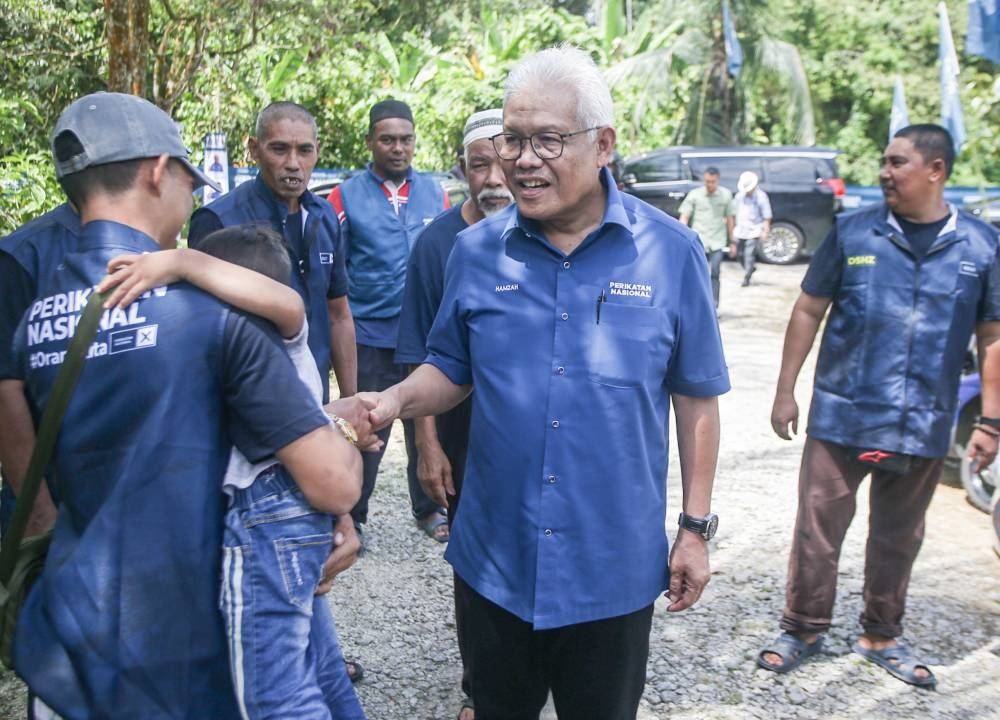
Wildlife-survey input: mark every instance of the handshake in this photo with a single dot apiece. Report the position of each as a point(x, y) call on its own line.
point(367, 413)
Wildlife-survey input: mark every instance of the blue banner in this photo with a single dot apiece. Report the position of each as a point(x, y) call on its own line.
point(951, 103)
point(899, 117)
point(734, 53)
point(983, 34)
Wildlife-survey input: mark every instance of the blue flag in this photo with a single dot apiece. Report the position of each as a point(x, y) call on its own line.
point(734, 53)
point(899, 117)
point(983, 34)
point(951, 103)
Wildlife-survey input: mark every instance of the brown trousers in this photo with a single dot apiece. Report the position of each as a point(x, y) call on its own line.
point(828, 482)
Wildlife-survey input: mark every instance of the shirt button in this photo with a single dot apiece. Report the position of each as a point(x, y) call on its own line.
point(548, 532)
point(561, 370)
point(566, 265)
point(555, 423)
point(551, 479)
point(565, 316)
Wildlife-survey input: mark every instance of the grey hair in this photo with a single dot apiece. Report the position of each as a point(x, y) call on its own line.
point(565, 68)
point(282, 110)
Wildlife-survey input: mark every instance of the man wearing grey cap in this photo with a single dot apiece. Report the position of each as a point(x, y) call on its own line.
point(382, 211)
point(169, 386)
point(442, 442)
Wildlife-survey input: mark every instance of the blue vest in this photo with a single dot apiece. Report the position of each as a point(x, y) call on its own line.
point(39, 245)
point(124, 622)
point(889, 365)
point(253, 201)
point(380, 243)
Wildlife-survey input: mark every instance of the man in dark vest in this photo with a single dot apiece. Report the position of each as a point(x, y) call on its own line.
point(907, 282)
point(285, 149)
point(382, 211)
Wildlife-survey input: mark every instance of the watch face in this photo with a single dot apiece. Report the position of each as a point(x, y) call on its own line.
point(713, 525)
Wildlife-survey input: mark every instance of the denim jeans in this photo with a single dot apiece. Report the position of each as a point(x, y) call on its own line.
point(284, 655)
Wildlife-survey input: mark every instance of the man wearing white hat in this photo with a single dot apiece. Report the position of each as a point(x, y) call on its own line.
point(752, 208)
point(442, 442)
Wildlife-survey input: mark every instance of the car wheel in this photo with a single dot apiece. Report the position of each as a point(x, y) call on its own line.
point(980, 486)
point(783, 245)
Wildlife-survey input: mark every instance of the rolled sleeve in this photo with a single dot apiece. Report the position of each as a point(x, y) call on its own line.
point(697, 366)
point(269, 404)
point(825, 268)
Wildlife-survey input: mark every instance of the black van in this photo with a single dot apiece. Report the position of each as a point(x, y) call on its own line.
point(802, 183)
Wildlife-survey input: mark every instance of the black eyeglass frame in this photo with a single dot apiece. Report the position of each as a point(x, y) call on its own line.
point(531, 140)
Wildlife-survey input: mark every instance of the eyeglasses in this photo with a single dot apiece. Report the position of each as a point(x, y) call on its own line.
point(547, 145)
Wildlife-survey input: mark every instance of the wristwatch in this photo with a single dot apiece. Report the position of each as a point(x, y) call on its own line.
point(988, 421)
point(346, 429)
point(705, 526)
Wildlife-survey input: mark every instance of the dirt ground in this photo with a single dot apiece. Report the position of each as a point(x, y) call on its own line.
point(393, 608)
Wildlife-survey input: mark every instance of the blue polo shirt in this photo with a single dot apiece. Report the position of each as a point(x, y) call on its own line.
point(124, 621)
point(573, 358)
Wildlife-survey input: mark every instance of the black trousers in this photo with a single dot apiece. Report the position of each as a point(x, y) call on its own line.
point(377, 371)
point(595, 670)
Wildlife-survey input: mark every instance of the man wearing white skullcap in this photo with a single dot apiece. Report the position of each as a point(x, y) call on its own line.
point(442, 441)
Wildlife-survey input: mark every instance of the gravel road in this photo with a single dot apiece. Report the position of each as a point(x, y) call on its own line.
point(394, 609)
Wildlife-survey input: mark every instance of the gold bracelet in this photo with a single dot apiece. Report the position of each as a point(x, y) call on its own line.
point(346, 429)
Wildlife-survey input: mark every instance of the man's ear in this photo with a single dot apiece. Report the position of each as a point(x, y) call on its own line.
point(253, 148)
point(937, 173)
point(158, 170)
point(369, 140)
point(606, 137)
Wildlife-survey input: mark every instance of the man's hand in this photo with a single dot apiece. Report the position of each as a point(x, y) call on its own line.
point(132, 275)
point(689, 570)
point(982, 450)
point(732, 249)
point(345, 552)
point(357, 411)
point(434, 473)
point(384, 408)
point(785, 412)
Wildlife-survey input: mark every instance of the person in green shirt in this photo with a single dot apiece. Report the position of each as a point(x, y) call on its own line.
point(709, 212)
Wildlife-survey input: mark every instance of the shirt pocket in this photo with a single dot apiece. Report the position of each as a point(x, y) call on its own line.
point(623, 343)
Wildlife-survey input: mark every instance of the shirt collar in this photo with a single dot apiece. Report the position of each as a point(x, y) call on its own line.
point(949, 226)
point(108, 233)
point(614, 212)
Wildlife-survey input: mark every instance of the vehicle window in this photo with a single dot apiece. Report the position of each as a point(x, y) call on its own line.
point(792, 170)
point(657, 169)
point(729, 167)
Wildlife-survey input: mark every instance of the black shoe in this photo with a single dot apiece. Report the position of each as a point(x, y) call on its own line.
point(746, 282)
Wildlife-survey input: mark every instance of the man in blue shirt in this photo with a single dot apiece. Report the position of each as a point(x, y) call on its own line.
point(285, 149)
point(33, 249)
point(578, 316)
point(907, 281)
point(383, 211)
point(169, 386)
point(442, 442)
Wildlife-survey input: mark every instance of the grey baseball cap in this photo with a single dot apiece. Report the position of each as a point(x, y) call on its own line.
point(113, 127)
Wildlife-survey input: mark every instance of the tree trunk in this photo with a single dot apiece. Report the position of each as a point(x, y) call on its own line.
point(128, 45)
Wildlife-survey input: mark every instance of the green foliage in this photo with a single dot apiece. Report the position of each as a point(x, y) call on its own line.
point(815, 70)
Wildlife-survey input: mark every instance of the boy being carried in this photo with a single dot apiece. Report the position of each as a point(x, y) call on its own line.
point(284, 655)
